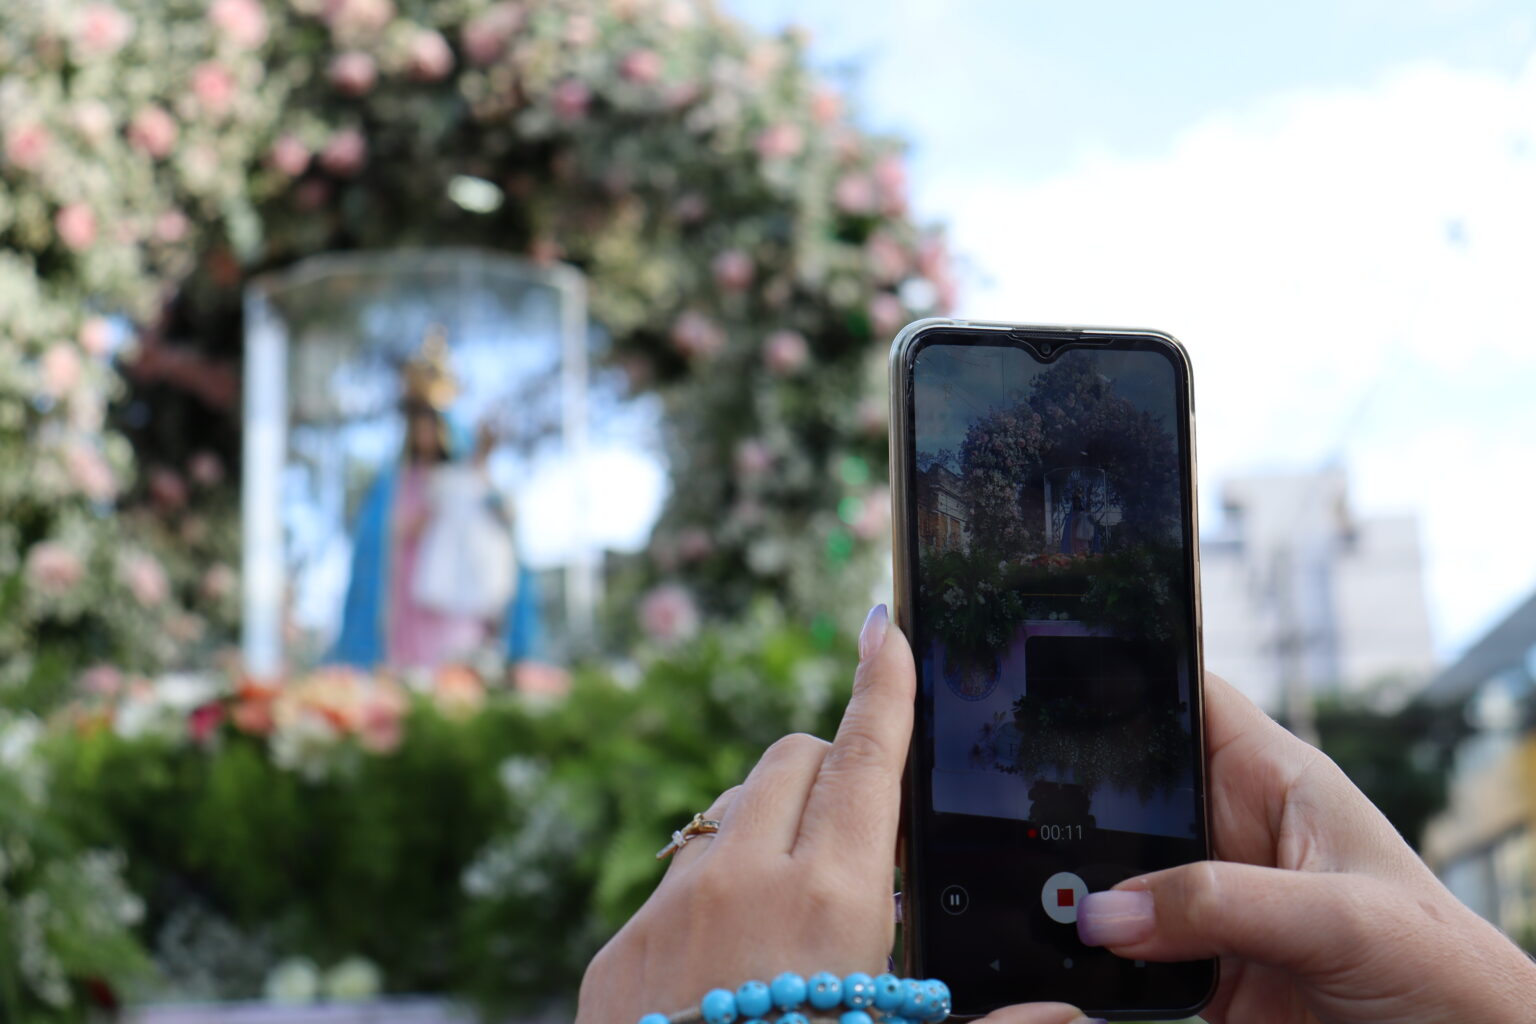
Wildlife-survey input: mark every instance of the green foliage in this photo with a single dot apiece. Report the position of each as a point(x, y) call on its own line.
point(64, 910)
point(1401, 759)
point(488, 855)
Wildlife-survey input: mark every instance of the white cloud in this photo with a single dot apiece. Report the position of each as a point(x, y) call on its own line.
point(1353, 272)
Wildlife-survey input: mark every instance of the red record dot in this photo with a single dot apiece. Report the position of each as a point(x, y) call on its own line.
point(1033, 832)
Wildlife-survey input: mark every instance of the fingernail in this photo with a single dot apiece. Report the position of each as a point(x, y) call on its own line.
point(873, 633)
point(1118, 917)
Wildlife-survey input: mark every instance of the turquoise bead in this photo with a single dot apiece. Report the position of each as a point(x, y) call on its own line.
point(826, 990)
point(888, 993)
point(939, 1003)
point(788, 990)
point(655, 1018)
point(718, 1007)
point(752, 999)
point(792, 1018)
point(755, 1020)
point(858, 991)
point(855, 1017)
point(914, 1001)
point(899, 1020)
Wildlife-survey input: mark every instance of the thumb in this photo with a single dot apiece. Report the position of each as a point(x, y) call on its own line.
point(1305, 923)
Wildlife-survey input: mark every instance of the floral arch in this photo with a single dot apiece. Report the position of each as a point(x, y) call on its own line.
point(749, 253)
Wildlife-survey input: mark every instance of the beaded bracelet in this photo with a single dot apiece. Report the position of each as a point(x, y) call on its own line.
point(860, 998)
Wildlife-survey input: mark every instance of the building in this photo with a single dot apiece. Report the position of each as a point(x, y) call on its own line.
point(1481, 845)
point(942, 515)
point(1302, 596)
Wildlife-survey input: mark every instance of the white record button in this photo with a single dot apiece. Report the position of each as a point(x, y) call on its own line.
point(1061, 895)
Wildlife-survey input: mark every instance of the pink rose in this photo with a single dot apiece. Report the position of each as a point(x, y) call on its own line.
point(345, 153)
point(826, 106)
point(89, 472)
point(93, 120)
point(289, 156)
point(753, 458)
point(60, 367)
point(353, 20)
point(76, 226)
point(53, 568)
point(886, 314)
point(218, 582)
point(145, 579)
point(538, 680)
point(154, 131)
point(242, 22)
point(101, 681)
point(570, 99)
point(875, 516)
point(353, 73)
point(96, 336)
point(457, 691)
point(696, 336)
point(485, 36)
point(101, 30)
point(780, 141)
point(171, 227)
point(690, 207)
point(206, 469)
point(429, 58)
point(890, 174)
point(380, 727)
point(732, 269)
point(26, 145)
point(668, 614)
point(167, 489)
point(204, 721)
point(886, 257)
point(694, 544)
point(854, 194)
point(580, 31)
point(214, 87)
point(641, 66)
point(785, 352)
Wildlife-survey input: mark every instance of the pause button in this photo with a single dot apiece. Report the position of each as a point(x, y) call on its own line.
point(954, 900)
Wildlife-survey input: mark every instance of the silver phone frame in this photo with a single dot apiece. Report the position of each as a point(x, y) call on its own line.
point(900, 483)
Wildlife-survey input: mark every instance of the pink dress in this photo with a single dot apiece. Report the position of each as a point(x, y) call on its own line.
point(420, 637)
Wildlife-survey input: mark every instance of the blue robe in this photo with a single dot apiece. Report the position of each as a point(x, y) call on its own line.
point(361, 642)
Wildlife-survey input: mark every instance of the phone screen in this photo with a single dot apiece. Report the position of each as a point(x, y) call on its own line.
point(1053, 611)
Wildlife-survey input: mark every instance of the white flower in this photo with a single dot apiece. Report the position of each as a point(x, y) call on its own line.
point(293, 982)
point(303, 743)
point(354, 980)
point(520, 776)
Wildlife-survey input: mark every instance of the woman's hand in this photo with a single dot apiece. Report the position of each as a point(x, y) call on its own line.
point(798, 877)
point(1321, 913)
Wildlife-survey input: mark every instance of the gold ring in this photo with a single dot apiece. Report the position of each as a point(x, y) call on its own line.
point(699, 826)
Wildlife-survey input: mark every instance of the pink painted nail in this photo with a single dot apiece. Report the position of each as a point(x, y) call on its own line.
point(873, 633)
point(1118, 917)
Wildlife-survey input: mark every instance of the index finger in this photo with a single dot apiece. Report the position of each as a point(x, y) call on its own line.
point(855, 801)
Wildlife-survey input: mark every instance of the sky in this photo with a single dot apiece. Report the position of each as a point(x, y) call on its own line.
point(1331, 202)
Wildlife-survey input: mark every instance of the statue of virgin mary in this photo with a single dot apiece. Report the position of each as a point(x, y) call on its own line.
point(435, 577)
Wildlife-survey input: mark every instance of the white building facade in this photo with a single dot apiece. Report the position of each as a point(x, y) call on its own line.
point(1301, 596)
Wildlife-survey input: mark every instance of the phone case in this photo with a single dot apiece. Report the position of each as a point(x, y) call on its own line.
point(913, 895)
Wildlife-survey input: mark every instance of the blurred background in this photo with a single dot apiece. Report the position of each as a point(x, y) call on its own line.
point(290, 287)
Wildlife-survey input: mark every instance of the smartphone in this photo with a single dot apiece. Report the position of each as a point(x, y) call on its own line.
point(1043, 483)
